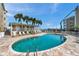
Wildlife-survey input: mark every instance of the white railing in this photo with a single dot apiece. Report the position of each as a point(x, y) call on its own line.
point(2, 34)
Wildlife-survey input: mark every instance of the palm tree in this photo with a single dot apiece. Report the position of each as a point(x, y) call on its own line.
point(30, 19)
point(39, 22)
point(26, 19)
point(34, 21)
point(18, 16)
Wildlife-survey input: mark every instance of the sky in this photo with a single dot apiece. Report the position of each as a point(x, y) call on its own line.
point(50, 13)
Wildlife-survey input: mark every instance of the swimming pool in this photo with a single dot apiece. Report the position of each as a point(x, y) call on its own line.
point(38, 43)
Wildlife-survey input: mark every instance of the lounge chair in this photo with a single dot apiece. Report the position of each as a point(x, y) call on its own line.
point(20, 33)
point(23, 32)
point(14, 33)
point(27, 32)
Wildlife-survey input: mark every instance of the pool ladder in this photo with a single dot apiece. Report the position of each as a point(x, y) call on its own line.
point(27, 54)
point(35, 54)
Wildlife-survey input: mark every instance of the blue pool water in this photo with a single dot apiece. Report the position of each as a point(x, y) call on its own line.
point(38, 43)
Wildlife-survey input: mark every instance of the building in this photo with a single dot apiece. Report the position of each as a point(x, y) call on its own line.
point(70, 22)
point(18, 29)
point(77, 16)
point(2, 17)
point(64, 25)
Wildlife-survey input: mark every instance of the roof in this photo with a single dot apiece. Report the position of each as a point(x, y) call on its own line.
point(18, 24)
point(3, 7)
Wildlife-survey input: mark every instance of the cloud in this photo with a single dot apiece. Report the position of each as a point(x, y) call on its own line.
point(14, 8)
point(21, 9)
point(27, 9)
point(9, 14)
point(52, 26)
point(48, 25)
point(54, 7)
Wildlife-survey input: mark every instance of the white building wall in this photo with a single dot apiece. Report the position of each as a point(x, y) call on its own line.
point(2, 18)
point(77, 16)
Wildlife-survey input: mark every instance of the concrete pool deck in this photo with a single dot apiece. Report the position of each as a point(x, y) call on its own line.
point(69, 48)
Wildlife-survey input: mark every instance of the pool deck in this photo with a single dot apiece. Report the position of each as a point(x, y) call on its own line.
point(69, 48)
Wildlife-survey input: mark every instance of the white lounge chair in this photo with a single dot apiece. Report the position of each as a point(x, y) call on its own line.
point(23, 32)
point(27, 32)
point(20, 33)
point(14, 33)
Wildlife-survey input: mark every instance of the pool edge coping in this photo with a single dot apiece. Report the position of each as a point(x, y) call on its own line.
point(10, 46)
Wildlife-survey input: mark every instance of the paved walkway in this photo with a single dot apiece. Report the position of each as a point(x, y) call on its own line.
point(69, 48)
